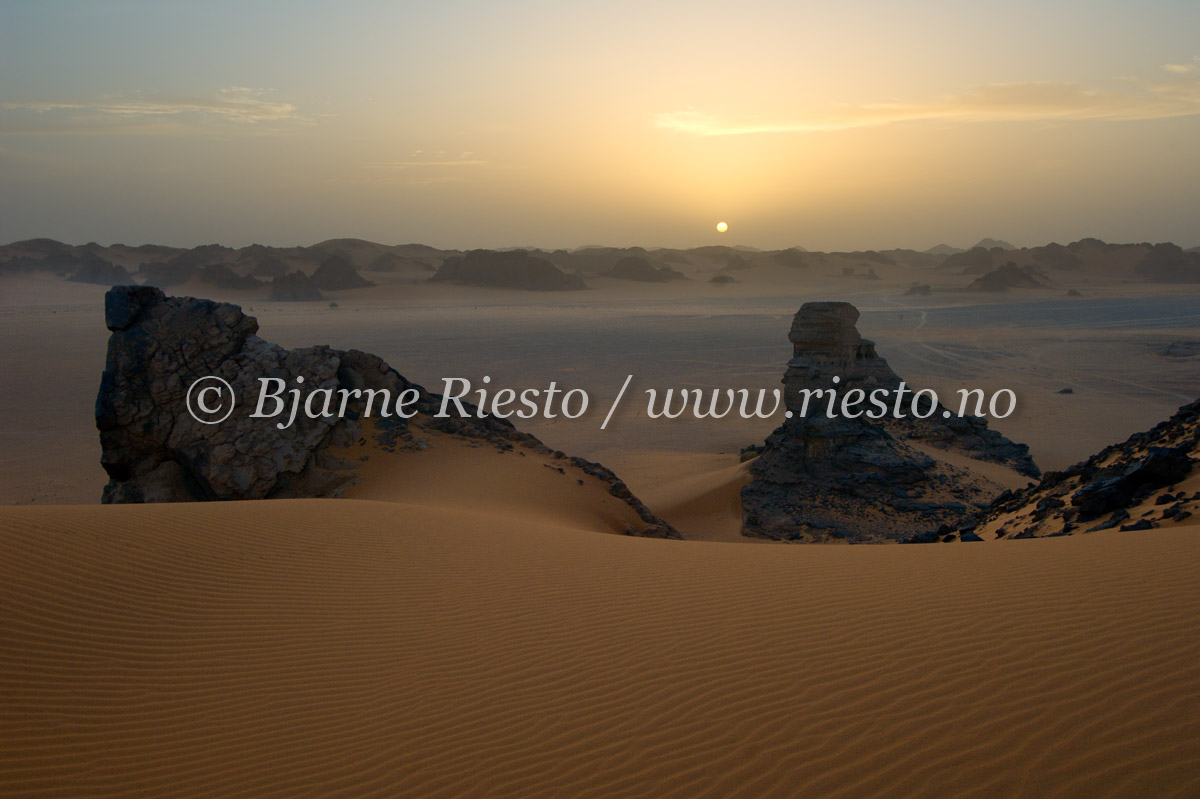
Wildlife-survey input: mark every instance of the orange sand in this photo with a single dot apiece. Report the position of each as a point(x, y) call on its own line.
point(360, 648)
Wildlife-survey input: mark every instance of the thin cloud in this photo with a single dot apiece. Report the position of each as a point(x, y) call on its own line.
point(992, 103)
point(1184, 69)
point(235, 104)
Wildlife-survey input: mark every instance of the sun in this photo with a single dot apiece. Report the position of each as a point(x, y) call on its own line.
point(722, 227)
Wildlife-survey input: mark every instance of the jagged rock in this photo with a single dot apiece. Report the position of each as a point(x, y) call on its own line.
point(154, 450)
point(515, 269)
point(857, 479)
point(1116, 480)
point(336, 274)
point(826, 344)
point(295, 287)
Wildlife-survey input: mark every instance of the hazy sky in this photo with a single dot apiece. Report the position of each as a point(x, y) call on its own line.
point(471, 124)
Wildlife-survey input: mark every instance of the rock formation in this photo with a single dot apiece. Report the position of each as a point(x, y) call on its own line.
point(1168, 263)
point(858, 479)
point(1011, 276)
point(154, 450)
point(1133, 485)
point(336, 274)
point(515, 269)
point(295, 287)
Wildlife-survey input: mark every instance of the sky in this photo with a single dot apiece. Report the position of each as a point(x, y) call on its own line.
point(832, 126)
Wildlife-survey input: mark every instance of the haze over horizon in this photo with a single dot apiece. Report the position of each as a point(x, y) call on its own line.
point(462, 124)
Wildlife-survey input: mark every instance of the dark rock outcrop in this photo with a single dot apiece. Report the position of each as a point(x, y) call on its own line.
point(514, 269)
point(337, 274)
point(154, 450)
point(1168, 263)
point(823, 477)
point(1011, 276)
point(1101, 492)
point(295, 287)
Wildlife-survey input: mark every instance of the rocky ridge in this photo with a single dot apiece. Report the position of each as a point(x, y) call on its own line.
point(1134, 485)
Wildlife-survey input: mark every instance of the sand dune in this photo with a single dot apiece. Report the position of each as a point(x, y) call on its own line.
point(357, 648)
point(700, 495)
point(516, 483)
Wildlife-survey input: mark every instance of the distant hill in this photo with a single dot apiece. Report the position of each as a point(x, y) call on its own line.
point(944, 249)
point(991, 244)
point(1011, 276)
point(517, 269)
point(174, 266)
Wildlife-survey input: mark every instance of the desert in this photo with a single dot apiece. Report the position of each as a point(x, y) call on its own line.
point(471, 616)
point(539, 400)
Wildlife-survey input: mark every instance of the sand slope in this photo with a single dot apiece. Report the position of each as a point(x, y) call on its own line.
point(357, 648)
